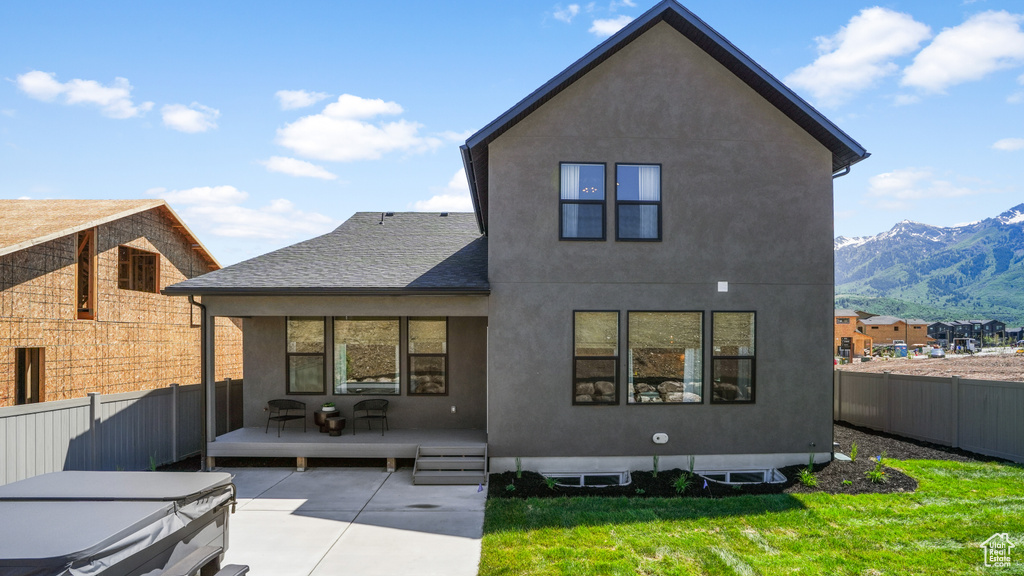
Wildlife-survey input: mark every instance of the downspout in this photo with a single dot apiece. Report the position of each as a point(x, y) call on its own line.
point(202, 370)
point(841, 174)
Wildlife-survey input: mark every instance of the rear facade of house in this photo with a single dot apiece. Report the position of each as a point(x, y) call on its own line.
point(654, 227)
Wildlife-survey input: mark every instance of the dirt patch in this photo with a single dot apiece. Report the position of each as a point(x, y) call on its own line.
point(1004, 367)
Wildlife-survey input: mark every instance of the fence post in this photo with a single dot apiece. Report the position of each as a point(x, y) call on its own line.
point(955, 409)
point(887, 415)
point(174, 422)
point(227, 405)
point(95, 414)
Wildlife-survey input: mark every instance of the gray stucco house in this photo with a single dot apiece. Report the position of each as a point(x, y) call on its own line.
point(648, 271)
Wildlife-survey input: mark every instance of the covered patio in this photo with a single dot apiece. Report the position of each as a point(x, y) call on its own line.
point(253, 442)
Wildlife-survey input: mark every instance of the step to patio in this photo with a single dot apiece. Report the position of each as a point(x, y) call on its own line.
point(466, 464)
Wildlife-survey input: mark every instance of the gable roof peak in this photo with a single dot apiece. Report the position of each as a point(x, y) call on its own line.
point(845, 150)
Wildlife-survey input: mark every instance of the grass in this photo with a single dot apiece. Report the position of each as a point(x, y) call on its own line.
point(936, 530)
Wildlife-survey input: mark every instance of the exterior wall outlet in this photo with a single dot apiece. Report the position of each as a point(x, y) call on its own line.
point(660, 438)
point(453, 409)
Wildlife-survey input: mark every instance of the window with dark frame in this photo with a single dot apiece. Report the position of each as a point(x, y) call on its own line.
point(29, 379)
point(842, 320)
point(665, 357)
point(86, 275)
point(366, 352)
point(304, 355)
point(428, 356)
point(581, 201)
point(595, 368)
point(137, 270)
point(732, 357)
point(638, 202)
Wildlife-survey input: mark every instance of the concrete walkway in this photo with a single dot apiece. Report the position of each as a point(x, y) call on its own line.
point(352, 521)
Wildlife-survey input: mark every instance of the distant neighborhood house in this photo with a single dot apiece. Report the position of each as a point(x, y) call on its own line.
point(80, 303)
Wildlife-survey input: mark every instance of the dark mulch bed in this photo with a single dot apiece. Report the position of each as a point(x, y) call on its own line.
point(830, 477)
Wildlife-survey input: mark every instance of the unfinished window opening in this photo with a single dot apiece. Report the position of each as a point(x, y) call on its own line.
point(137, 270)
point(86, 275)
point(29, 377)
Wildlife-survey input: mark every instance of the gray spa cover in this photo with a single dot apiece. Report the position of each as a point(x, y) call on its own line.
point(81, 523)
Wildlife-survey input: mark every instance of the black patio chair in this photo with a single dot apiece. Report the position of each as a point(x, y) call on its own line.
point(372, 410)
point(281, 411)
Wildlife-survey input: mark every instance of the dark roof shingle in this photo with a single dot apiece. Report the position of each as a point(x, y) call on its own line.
point(406, 252)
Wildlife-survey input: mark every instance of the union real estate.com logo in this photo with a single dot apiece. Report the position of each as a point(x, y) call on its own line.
point(997, 550)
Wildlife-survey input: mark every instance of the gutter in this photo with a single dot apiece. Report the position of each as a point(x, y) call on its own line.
point(467, 165)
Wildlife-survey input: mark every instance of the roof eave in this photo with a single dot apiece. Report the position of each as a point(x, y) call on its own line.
point(323, 291)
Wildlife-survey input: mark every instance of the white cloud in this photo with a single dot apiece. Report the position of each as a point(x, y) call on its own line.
point(343, 132)
point(900, 188)
point(452, 198)
point(615, 5)
point(608, 26)
point(206, 195)
point(905, 99)
point(985, 43)
point(192, 118)
point(566, 14)
point(219, 210)
point(9, 112)
point(860, 54)
point(1009, 144)
point(291, 99)
point(453, 136)
point(114, 101)
point(300, 168)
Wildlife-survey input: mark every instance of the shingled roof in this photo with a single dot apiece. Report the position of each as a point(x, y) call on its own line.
point(371, 253)
point(25, 223)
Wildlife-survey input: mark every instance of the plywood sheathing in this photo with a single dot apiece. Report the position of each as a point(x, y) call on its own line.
point(138, 340)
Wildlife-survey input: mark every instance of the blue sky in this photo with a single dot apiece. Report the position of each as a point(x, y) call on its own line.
point(266, 123)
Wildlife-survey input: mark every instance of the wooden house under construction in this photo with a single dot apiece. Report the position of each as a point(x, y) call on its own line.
point(80, 303)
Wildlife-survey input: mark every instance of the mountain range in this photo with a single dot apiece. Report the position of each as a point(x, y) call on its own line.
point(916, 270)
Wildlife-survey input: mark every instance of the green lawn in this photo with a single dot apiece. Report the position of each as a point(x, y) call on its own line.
point(936, 530)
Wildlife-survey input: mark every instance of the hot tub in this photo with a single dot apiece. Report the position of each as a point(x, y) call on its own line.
point(115, 523)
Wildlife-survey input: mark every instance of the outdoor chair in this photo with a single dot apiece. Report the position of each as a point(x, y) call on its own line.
point(372, 410)
point(281, 411)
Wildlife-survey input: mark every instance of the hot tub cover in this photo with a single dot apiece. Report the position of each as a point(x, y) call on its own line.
point(81, 523)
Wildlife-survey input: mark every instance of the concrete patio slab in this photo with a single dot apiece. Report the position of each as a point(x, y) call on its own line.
point(353, 521)
point(399, 493)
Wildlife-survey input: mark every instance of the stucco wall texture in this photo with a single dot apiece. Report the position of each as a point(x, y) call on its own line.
point(265, 377)
point(746, 199)
point(138, 340)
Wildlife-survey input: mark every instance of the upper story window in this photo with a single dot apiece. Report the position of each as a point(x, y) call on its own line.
point(638, 202)
point(842, 320)
point(137, 269)
point(582, 202)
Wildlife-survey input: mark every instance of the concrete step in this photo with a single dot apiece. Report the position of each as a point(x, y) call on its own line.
point(449, 477)
point(464, 464)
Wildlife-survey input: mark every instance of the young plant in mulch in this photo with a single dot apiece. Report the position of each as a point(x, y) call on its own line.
point(877, 475)
point(807, 474)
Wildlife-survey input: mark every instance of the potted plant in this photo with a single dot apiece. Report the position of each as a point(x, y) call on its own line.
point(328, 407)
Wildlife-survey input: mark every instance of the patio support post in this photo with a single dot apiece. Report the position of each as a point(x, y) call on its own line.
point(210, 383)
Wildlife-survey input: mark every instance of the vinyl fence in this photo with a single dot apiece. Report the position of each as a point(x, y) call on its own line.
point(983, 416)
point(129, 431)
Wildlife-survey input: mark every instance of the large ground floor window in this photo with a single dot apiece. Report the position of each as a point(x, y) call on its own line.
point(366, 354)
point(595, 358)
point(732, 360)
point(665, 357)
point(304, 355)
point(428, 356)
